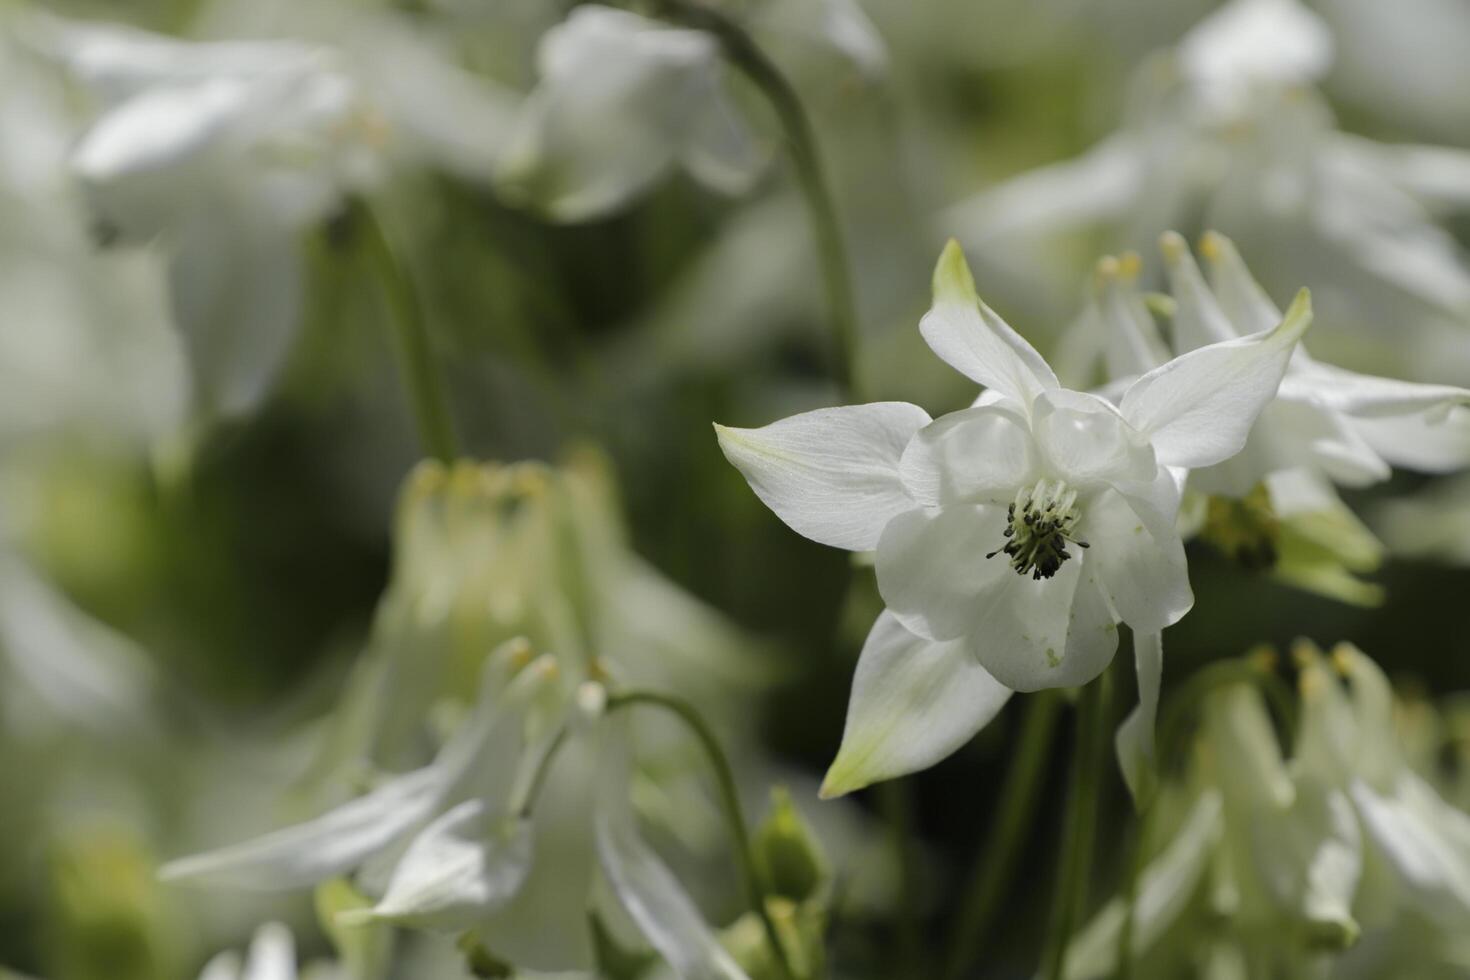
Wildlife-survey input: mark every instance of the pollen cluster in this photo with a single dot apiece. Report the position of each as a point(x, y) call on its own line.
point(1039, 524)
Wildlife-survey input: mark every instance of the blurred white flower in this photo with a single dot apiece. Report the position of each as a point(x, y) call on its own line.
point(1225, 129)
point(85, 344)
point(475, 841)
point(1325, 426)
point(1013, 536)
point(1292, 859)
point(623, 101)
point(227, 151)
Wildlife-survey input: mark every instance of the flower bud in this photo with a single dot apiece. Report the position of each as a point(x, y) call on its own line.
point(786, 853)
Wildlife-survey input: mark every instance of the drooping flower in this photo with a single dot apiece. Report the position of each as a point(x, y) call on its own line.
point(1329, 859)
point(1011, 537)
point(227, 151)
point(1225, 129)
point(521, 825)
point(623, 101)
point(1325, 427)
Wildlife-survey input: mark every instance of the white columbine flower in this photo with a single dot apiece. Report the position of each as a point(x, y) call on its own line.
point(623, 101)
point(1225, 128)
point(1325, 427)
point(226, 151)
point(1013, 536)
point(521, 825)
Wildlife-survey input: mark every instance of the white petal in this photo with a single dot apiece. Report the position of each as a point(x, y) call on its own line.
point(721, 152)
point(237, 298)
point(1056, 632)
point(1134, 742)
point(644, 885)
point(1199, 408)
point(464, 865)
point(1368, 396)
point(1132, 345)
point(1250, 41)
point(620, 96)
point(1311, 856)
point(977, 455)
point(1241, 298)
point(222, 966)
point(272, 954)
point(972, 339)
point(933, 573)
point(332, 844)
point(914, 701)
point(1199, 320)
point(1165, 888)
point(1099, 184)
point(142, 162)
point(832, 474)
point(1405, 825)
point(1249, 768)
point(1419, 443)
point(1141, 564)
point(1087, 442)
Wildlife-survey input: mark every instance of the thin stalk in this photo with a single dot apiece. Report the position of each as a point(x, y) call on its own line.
point(997, 860)
point(415, 356)
point(755, 886)
point(896, 804)
point(1081, 817)
point(1134, 871)
point(811, 176)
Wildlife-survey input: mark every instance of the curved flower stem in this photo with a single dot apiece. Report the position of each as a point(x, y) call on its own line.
point(1080, 831)
point(747, 56)
point(996, 861)
point(415, 357)
point(725, 777)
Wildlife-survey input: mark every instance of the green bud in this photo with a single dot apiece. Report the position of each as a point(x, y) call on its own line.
point(105, 916)
point(480, 961)
point(366, 950)
point(786, 854)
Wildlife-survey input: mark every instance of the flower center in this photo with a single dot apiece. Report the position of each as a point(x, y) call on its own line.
point(1040, 522)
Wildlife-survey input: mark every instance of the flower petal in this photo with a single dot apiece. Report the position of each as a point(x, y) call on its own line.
point(1140, 562)
point(1086, 441)
point(914, 701)
point(272, 954)
point(1241, 298)
point(1134, 741)
point(1055, 632)
point(1311, 857)
point(1199, 407)
point(1198, 320)
point(831, 474)
point(977, 455)
point(972, 339)
point(238, 302)
point(932, 569)
point(332, 844)
point(1164, 890)
point(1424, 841)
point(1419, 443)
point(464, 865)
point(644, 885)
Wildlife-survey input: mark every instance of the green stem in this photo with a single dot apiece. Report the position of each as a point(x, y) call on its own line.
point(415, 356)
point(1090, 740)
point(997, 860)
point(755, 886)
point(1133, 870)
point(747, 56)
point(897, 807)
